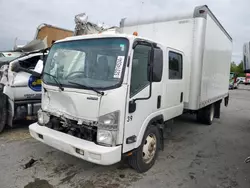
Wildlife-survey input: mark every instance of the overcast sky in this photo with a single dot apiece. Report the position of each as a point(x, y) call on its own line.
point(19, 18)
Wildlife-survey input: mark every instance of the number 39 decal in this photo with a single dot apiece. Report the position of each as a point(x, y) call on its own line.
point(129, 118)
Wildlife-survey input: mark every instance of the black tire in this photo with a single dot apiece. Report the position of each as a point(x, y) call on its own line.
point(199, 115)
point(3, 111)
point(206, 115)
point(136, 161)
point(217, 106)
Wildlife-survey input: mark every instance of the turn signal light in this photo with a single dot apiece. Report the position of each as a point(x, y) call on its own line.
point(135, 33)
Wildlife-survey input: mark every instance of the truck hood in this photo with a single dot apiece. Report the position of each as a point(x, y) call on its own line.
point(72, 104)
point(6, 60)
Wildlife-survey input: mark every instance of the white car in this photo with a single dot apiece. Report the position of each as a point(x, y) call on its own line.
point(241, 80)
point(10, 54)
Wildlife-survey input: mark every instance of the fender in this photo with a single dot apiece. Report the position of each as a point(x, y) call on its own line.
point(9, 93)
point(7, 90)
point(226, 100)
point(157, 116)
point(10, 112)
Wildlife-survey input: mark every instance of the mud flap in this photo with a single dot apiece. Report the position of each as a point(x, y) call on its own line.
point(226, 101)
point(217, 109)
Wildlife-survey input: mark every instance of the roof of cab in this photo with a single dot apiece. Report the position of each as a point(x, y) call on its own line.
point(113, 35)
point(101, 35)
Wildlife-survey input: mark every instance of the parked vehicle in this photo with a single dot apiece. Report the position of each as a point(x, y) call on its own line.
point(241, 80)
point(233, 84)
point(20, 93)
point(107, 96)
point(247, 80)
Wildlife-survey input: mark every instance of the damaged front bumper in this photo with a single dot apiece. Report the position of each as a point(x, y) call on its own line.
point(80, 148)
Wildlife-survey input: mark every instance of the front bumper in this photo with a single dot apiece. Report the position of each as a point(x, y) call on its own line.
point(69, 144)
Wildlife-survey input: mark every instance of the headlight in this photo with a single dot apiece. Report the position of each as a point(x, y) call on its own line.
point(107, 128)
point(43, 117)
point(104, 137)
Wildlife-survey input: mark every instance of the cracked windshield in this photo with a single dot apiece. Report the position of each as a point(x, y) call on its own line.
point(95, 63)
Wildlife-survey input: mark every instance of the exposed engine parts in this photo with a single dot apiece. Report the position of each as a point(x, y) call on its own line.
point(71, 127)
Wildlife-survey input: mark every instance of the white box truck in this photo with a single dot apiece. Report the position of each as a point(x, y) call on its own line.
point(108, 96)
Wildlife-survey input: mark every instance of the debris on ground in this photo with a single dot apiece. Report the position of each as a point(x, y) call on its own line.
point(38, 184)
point(30, 163)
point(122, 176)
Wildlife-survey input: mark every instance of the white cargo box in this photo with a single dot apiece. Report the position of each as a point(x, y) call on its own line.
point(206, 45)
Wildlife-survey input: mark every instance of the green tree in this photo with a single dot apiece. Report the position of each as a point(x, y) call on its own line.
point(237, 69)
point(233, 67)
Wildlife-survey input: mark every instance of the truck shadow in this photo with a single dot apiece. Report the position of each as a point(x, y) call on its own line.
point(181, 129)
point(19, 131)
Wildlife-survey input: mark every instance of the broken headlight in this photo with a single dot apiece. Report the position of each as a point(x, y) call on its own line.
point(43, 117)
point(107, 128)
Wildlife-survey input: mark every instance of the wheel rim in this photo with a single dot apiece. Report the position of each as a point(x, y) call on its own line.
point(149, 148)
point(212, 113)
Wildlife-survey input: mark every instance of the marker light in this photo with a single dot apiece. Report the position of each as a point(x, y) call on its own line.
point(135, 33)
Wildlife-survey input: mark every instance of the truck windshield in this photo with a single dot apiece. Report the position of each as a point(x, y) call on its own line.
point(96, 63)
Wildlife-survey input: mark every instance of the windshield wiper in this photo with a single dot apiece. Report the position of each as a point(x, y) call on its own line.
point(87, 87)
point(56, 80)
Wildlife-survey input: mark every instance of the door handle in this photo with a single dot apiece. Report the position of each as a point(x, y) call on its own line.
point(158, 102)
point(181, 98)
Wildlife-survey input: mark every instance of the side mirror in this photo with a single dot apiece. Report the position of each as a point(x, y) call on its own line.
point(39, 67)
point(17, 68)
point(155, 65)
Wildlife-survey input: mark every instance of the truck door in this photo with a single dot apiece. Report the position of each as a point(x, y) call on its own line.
point(140, 88)
point(174, 85)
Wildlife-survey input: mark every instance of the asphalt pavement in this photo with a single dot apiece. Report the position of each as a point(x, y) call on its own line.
point(195, 156)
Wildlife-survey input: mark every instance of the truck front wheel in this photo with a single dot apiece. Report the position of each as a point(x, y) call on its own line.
point(3, 111)
point(144, 157)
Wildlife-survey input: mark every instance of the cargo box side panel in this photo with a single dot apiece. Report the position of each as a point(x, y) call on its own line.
point(197, 50)
point(216, 64)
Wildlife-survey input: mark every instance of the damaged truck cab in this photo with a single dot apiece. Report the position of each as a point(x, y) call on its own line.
point(20, 92)
point(92, 86)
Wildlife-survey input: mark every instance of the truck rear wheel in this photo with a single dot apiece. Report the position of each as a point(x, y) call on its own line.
point(3, 111)
point(206, 115)
point(144, 157)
